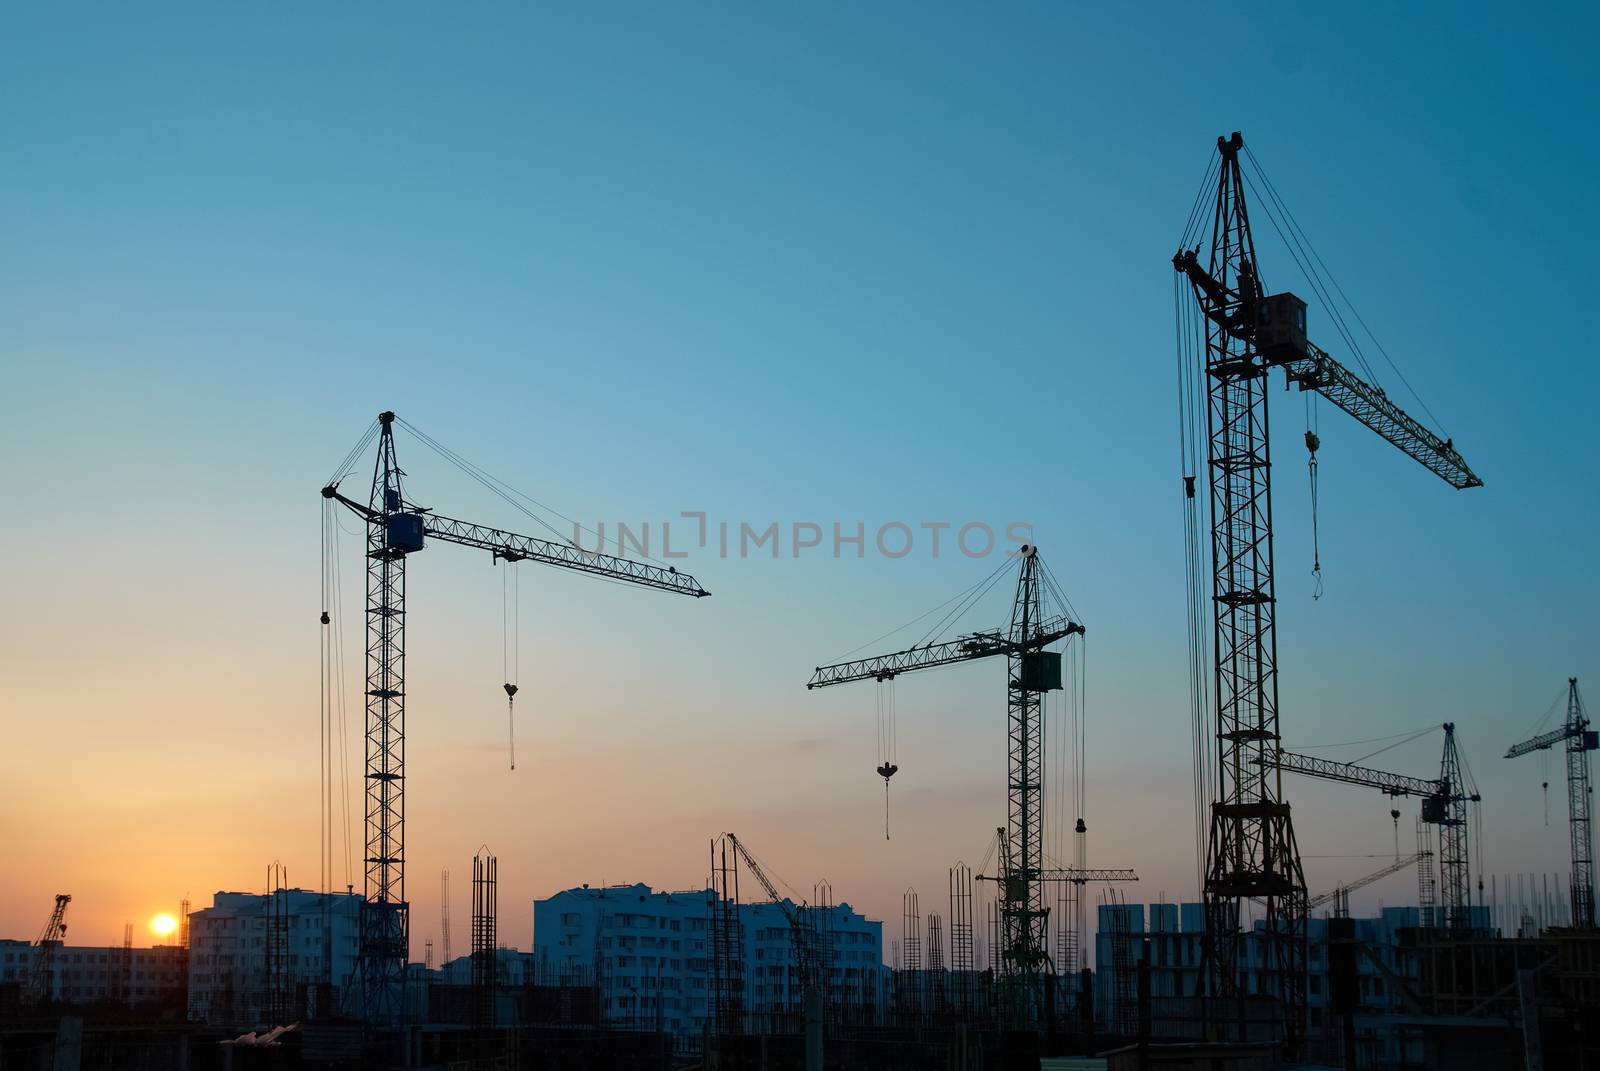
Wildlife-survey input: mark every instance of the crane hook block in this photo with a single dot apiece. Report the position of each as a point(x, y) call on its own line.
point(325, 618)
point(888, 770)
point(511, 690)
point(1312, 442)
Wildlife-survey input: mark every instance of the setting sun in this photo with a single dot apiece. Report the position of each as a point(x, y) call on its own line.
point(163, 925)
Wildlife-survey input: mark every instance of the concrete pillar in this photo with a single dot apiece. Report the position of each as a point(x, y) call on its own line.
point(813, 1005)
point(69, 1043)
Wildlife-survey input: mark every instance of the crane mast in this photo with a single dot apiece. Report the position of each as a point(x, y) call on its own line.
point(1578, 740)
point(396, 529)
point(1251, 851)
point(1448, 810)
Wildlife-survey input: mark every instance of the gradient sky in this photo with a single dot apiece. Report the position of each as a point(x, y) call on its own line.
point(868, 262)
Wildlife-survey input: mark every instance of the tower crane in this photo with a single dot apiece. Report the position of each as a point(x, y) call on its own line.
point(397, 528)
point(1444, 804)
point(1579, 740)
point(1251, 850)
point(1074, 878)
point(1032, 670)
point(40, 976)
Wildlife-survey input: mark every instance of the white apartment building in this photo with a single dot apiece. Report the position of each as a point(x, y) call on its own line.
point(88, 975)
point(648, 953)
point(229, 942)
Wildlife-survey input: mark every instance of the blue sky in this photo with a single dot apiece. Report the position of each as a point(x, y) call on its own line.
point(887, 262)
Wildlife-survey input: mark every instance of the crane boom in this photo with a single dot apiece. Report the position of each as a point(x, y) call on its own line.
point(761, 876)
point(1362, 882)
point(1390, 783)
point(1245, 315)
point(514, 547)
point(963, 649)
point(1316, 370)
point(1073, 875)
point(802, 934)
point(40, 976)
point(1542, 742)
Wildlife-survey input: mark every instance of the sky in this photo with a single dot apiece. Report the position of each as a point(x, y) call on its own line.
point(825, 263)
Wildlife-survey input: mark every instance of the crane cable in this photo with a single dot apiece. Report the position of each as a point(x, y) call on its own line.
point(511, 647)
point(886, 742)
point(1419, 734)
point(332, 699)
point(325, 705)
point(1313, 257)
point(1190, 350)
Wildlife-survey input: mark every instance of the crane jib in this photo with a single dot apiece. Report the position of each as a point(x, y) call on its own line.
point(404, 533)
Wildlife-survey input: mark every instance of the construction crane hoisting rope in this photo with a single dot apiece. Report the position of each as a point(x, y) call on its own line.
point(1313, 442)
point(886, 743)
point(511, 644)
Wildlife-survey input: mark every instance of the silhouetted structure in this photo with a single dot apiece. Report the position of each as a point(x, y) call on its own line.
point(1032, 670)
point(397, 528)
point(1242, 333)
point(1578, 740)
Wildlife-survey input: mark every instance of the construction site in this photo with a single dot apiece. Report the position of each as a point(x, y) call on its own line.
point(1121, 913)
point(1003, 969)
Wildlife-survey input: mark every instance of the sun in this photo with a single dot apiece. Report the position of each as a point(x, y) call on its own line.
point(163, 925)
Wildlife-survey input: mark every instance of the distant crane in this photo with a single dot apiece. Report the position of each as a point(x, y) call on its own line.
point(1444, 804)
point(40, 988)
point(1032, 670)
point(1251, 851)
point(1073, 878)
point(396, 529)
point(1362, 882)
point(1579, 740)
point(803, 936)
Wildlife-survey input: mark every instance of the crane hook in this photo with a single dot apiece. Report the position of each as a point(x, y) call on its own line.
point(886, 771)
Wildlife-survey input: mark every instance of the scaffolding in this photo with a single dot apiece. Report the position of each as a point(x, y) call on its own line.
point(727, 940)
point(1124, 999)
point(961, 959)
point(485, 914)
point(279, 977)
